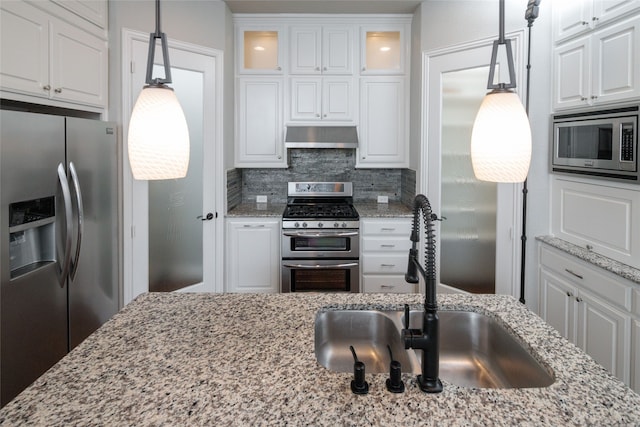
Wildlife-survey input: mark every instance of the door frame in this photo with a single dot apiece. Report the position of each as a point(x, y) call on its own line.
point(509, 209)
point(135, 193)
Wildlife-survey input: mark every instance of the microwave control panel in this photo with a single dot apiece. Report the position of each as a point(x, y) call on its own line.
point(627, 143)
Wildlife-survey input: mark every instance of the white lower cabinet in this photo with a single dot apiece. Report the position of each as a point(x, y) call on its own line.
point(253, 255)
point(589, 308)
point(385, 248)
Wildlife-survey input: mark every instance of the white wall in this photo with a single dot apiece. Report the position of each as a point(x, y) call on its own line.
point(451, 22)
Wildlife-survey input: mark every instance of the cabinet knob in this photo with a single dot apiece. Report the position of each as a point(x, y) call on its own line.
point(324, 69)
point(569, 294)
point(317, 68)
point(279, 68)
point(594, 96)
point(585, 23)
point(578, 299)
point(595, 18)
point(46, 87)
point(317, 115)
point(58, 90)
point(324, 115)
point(583, 98)
point(364, 69)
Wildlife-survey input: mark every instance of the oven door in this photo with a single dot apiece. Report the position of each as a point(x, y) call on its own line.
point(344, 243)
point(320, 275)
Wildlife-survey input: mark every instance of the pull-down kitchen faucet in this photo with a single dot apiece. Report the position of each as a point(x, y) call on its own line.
point(425, 339)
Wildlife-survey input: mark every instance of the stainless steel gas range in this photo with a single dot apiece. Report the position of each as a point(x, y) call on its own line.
point(320, 238)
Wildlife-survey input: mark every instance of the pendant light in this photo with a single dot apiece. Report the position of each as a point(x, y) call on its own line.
point(501, 136)
point(158, 135)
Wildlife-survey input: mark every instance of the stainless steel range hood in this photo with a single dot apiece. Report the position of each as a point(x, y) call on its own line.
point(321, 137)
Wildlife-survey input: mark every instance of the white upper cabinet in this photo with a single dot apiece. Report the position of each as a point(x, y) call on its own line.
point(600, 67)
point(326, 98)
point(316, 49)
point(383, 123)
point(259, 123)
point(384, 49)
point(575, 17)
point(93, 11)
point(259, 49)
point(49, 60)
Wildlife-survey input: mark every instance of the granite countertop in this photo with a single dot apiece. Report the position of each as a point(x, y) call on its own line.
point(365, 209)
point(248, 359)
point(598, 260)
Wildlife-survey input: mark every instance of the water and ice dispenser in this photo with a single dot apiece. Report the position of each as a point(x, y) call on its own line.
point(31, 235)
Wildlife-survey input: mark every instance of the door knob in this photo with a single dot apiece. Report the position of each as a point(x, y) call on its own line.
point(208, 217)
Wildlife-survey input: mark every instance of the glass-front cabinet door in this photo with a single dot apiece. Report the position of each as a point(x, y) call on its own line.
point(383, 50)
point(261, 50)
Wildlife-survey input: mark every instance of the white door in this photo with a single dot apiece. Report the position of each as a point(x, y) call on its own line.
point(453, 93)
point(170, 226)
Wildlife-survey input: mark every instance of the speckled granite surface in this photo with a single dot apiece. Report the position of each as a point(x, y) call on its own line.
point(365, 209)
point(257, 210)
point(608, 264)
point(206, 359)
point(381, 210)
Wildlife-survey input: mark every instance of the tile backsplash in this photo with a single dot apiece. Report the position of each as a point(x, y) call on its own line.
point(243, 185)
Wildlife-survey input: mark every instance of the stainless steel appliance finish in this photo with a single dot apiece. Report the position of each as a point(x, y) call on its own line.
point(320, 239)
point(58, 228)
point(321, 137)
point(602, 143)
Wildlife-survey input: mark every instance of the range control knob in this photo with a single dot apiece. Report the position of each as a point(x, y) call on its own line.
point(336, 225)
point(304, 225)
point(344, 225)
point(320, 225)
point(296, 225)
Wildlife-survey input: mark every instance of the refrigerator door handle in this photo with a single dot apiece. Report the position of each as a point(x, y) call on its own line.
point(66, 194)
point(76, 185)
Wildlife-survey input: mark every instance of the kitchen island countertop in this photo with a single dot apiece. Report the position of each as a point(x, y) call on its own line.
point(248, 359)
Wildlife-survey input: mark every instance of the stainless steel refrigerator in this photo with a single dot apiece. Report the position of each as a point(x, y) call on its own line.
point(59, 239)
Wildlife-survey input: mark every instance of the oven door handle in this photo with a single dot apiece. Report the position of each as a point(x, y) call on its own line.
point(320, 234)
point(321, 267)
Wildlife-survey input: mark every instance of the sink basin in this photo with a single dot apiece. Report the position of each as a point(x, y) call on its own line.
point(475, 349)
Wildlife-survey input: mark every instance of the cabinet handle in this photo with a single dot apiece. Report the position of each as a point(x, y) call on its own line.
point(387, 286)
point(58, 90)
point(387, 229)
point(589, 247)
point(573, 273)
point(387, 265)
point(46, 87)
point(387, 246)
point(253, 225)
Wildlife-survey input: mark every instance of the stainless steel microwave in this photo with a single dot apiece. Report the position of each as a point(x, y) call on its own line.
point(598, 143)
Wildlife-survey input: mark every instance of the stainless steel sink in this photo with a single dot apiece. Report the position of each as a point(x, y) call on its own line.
point(475, 349)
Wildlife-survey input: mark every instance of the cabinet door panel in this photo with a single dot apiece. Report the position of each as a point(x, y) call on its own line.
point(616, 69)
point(572, 74)
point(606, 10)
point(605, 335)
point(570, 18)
point(382, 122)
point(337, 50)
point(305, 52)
point(24, 49)
point(78, 66)
point(338, 99)
point(557, 304)
point(260, 142)
point(305, 98)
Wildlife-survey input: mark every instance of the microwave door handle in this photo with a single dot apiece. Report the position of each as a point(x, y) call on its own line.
point(64, 265)
point(321, 267)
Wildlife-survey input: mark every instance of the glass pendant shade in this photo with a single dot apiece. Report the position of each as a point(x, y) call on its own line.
point(501, 139)
point(158, 136)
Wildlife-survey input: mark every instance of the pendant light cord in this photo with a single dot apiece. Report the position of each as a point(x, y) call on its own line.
point(530, 15)
point(158, 32)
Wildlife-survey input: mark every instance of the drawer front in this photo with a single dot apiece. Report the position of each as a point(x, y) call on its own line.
point(388, 227)
point(385, 264)
point(386, 244)
point(387, 284)
point(580, 273)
